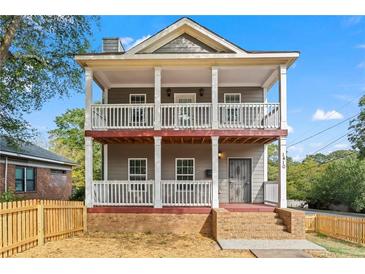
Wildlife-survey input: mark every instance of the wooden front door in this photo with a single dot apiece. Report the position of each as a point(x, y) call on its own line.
point(239, 180)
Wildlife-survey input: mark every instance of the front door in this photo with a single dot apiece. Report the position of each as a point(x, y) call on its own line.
point(185, 112)
point(239, 180)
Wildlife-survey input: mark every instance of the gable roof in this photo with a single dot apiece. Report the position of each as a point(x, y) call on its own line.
point(31, 151)
point(190, 27)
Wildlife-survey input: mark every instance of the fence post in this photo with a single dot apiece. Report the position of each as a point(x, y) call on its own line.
point(84, 213)
point(40, 211)
point(316, 223)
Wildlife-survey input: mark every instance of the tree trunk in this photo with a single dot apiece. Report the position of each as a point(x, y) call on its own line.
point(5, 43)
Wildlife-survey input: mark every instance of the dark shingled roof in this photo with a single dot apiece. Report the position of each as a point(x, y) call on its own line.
point(31, 150)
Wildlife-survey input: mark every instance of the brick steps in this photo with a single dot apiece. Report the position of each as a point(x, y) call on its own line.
point(249, 225)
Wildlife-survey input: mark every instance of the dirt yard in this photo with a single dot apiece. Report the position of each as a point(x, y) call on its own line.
point(133, 245)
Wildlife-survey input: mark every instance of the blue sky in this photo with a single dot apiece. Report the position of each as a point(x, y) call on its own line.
point(323, 86)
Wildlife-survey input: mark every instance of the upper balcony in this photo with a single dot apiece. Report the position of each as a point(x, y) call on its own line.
point(187, 98)
point(186, 116)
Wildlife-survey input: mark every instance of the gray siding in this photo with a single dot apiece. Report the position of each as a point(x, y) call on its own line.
point(248, 94)
point(118, 155)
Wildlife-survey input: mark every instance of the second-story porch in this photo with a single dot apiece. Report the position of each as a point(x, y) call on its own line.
point(188, 98)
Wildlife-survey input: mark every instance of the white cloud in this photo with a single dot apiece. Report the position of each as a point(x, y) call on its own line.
point(341, 146)
point(361, 46)
point(129, 42)
point(361, 65)
point(296, 148)
point(298, 158)
point(290, 129)
point(315, 145)
point(321, 115)
point(351, 21)
point(140, 40)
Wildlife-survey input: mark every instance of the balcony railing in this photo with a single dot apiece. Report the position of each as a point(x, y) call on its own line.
point(122, 193)
point(186, 193)
point(186, 116)
point(116, 116)
point(249, 115)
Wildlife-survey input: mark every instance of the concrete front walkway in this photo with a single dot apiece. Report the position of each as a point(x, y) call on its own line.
point(269, 244)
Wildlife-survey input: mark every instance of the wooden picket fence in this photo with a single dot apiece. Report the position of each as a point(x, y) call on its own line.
point(26, 224)
point(344, 228)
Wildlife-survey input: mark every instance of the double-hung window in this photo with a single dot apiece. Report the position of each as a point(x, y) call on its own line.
point(137, 172)
point(185, 171)
point(232, 114)
point(25, 179)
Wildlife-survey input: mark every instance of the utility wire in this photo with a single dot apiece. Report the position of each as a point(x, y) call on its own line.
point(332, 142)
point(342, 107)
point(324, 130)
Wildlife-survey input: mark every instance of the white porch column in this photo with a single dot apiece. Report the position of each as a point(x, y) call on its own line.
point(88, 140)
point(105, 147)
point(266, 166)
point(88, 97)
point(215, 177)
point(158, 200)
point(88, 171)
point(282, 172)
point(282, 97)
point(214, 98)
point(157, 122)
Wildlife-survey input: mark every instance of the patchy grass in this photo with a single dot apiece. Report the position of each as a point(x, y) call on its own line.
point(133, 245)
point(336, 248)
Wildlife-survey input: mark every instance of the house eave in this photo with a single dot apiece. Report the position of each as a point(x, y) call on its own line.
point(20, 155)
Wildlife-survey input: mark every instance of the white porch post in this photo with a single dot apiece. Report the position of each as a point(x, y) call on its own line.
point(105, 147)
point(88, 140)
point(282, 97)
point(214, 98)
point(157, 121)
point(282, 172)
point(282, 140)
point(265, 145)
point(157, 200)
point(215, 199)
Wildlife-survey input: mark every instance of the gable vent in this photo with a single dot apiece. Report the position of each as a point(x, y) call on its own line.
point(112, 45)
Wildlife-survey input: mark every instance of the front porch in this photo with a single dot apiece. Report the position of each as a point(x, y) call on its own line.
point(182, 174)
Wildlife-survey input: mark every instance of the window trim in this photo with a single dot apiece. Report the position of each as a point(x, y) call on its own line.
point(137, 94)
point(177, 94)
point(24, 168)
point(129, 159)
point(232, 93)
point(176, 159)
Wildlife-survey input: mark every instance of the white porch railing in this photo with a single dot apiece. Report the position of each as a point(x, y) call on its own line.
point(197, 115)
point(271, 192)
point(136, 193)
point(109, 116)
point(186, 193)
point(249, 115)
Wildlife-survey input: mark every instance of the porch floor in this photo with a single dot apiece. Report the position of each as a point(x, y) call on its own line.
point(235, 207)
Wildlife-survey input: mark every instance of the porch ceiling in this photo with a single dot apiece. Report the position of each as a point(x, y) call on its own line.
point(184, 140)
point(257, 76)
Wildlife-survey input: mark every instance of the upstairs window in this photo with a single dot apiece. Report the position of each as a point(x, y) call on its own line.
point(232, 98)
point(25, 179)
point(137, 98)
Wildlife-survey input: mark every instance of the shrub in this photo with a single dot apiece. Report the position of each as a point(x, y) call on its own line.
point(8, 196)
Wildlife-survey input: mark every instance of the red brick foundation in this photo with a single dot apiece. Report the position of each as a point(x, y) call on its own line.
point(150, 222)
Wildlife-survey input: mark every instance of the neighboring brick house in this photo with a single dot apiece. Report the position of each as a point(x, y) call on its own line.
point(33, 172)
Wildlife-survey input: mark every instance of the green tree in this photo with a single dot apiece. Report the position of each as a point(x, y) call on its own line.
point(67, 139)
point(357, 130)
point(341, 183)
point(36, 64)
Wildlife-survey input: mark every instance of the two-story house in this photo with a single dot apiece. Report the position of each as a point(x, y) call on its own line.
point(185, 122)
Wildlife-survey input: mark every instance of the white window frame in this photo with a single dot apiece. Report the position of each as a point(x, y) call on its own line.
point(182, 93)
point(130, 181)
point(176, 159)
point(137, 94)
point(232, 93)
